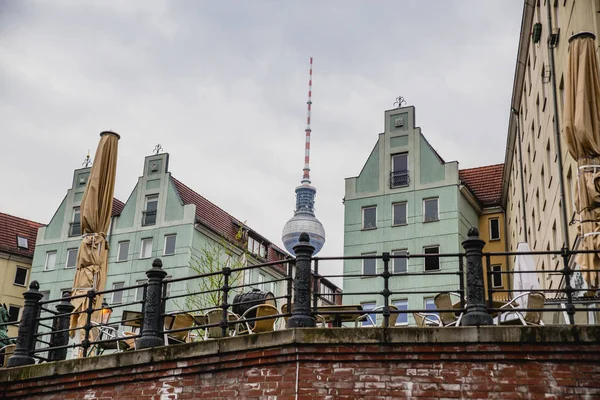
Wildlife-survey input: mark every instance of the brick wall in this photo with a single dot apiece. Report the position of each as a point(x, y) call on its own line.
point(493, 362)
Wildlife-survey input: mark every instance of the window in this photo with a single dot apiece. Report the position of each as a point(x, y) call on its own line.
point(261, 280)
point(149, 214)
point(13, 313)
point(139, 293)
point(21, 277)
point(22, 242)
point(257, 248)
point(373, 317)
point(169, 245)
point(399, 211)
point(402, 305)
point(117, 297)
point(50, 261)
point(399, 263)
point(369, 264)
point(123, 251)
point(75, 225)
point(496, 276)
point(494, 229)
point(65, 292)
point(369, 215)
point(168, 290)
point(430, 210)
point(399, 174)
point(327, 293)
point(146, 248)
point(71, 258)
point(430, 306)
point(432, 263)
point(45, 295)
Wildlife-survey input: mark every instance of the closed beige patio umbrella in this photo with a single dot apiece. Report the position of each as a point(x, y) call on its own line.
point(581, 127)
point(96, 209)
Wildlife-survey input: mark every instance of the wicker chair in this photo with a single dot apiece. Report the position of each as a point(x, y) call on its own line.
point(215, 316)
point(426, 319)
point(534, 300)
point(367, 316)
point(178, 321)
point(260, 325)
point(443, 301)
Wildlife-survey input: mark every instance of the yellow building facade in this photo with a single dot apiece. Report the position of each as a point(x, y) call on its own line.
point(17, 242)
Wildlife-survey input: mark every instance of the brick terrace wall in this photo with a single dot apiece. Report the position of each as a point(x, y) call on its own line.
point(366, 363)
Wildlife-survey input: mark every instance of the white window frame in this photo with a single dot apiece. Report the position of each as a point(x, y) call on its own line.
point(139, 292)
point(496, 268)
point(117, 285)
point(67, 259)
point(395, 303)
point(22, 242)
point(363, 264)
point(366, 321)
point(394, 253)
point(173, 235)
point(119, 250)
point(47, 267)
point(437, 200)
point(363, 217)
point(399, 203)
point(439, 268)
point(490, 228)
point(144, 240)
point(168, 291)
point(24, 284)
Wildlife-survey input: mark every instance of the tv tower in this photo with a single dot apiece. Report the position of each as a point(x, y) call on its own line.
point(304, 219)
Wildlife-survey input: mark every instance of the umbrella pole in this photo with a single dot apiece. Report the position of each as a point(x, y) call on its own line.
point(563, 215)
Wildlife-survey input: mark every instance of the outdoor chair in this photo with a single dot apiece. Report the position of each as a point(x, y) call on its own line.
point(5, 353)
point(178, 321)
point(129, 340)
point(534, 300)
point(367, 317)
point(427, 319)
point(443, 301)
point(260, 325)
point(101, 332)
point(215, 316)
point(321, 321)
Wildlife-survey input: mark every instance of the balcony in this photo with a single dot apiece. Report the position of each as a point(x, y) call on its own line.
point(74, 228)
point(399, 179)
point(148, 218)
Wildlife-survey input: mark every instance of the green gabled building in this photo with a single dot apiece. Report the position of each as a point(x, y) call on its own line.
point(161, 218)
point(405, 199)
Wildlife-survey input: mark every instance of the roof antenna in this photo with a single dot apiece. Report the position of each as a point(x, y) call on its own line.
point(87, 161)
point(306, 174)
point(157, 149)
point(399, 100)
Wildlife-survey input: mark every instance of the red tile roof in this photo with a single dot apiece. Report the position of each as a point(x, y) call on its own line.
point(118, 206)
point(485, 183)
point(10, 228)
point(218, 220)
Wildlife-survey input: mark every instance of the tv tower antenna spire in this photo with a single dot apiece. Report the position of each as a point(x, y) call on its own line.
point(306, 170)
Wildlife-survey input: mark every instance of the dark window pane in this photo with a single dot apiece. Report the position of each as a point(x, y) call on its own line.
point(399, 263)
point(400, 162)
point(402, 305)
point(432, 263)
point(494, 229)
point(400, 214)
point(123, 251)
point(13, 313)
point(496, 276)
point(71, 258)
point(431, 210)
point(170, 244)
point(369, 217)
point(369, 265)
point(21, 276)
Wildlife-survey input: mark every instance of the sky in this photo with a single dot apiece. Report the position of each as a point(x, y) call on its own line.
point(222, 86)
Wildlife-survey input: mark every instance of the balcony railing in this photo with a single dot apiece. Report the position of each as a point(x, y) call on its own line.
point(148, 218)
point(399, 179)
point(75, 229)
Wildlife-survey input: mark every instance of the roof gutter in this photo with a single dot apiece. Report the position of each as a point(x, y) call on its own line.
point(523, 50)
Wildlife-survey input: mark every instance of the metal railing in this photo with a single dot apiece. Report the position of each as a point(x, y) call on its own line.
point(148, 218)
point(399, 179)
point(46, 329)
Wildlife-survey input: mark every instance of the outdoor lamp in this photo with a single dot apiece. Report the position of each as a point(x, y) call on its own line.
point(105, 312)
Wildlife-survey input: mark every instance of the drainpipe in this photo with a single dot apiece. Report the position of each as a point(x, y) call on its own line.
point(563, 214)
point(524, 211)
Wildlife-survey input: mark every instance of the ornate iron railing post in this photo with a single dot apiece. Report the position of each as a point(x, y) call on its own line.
point(153, 320)
point(301, 317)
point(27, 328)
point(60, 323)
point(477, 311)
point(386, 289)
point(225, 302)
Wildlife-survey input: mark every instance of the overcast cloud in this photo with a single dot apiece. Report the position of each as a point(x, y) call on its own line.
point(222, 85)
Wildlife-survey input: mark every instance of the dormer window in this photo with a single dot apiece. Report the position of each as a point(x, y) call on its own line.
point(149, 214)
point(22, 242)
point(257, 248)
point(75, 225)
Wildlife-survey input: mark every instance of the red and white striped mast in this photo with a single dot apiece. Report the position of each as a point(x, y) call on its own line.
point(306, 175)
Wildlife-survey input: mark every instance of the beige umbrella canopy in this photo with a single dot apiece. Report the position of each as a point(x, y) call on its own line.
point(95, 208)
point(581, 127)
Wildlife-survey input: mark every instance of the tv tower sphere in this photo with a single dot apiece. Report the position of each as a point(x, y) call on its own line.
point(304, 219)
